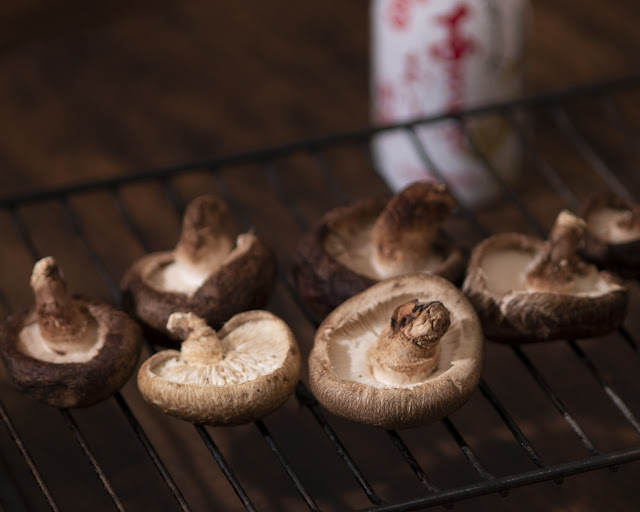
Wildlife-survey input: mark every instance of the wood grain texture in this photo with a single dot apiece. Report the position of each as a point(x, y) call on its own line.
point(88, 91)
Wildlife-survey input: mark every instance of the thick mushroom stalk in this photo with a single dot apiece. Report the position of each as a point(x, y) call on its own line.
point(559, 264)
point(201, 345)
point(206, 239)
point(408, 348)
point(66, 326)
point(405, 230)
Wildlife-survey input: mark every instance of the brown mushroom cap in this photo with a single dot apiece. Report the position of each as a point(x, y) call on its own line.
point(208, 273)
point(526, 289)
point(391, 357)
point(68, 350)
point(239, 374)
point(612, 238)
point(355, 246)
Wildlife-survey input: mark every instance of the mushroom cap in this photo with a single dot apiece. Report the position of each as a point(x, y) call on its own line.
point(242, 282)
point(260, 370)
point(333, 259)
point(511, 313)
point(340, 374)
point(47, 378)
point(607, 242)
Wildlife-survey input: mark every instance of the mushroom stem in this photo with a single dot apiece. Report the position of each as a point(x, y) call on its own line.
point(407, 227)
point(559, 263)
point(207, 236)
point(408, 348)
point(65, 325)
point(201, 345)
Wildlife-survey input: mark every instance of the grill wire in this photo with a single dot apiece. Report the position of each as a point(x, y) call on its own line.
point(600, 96)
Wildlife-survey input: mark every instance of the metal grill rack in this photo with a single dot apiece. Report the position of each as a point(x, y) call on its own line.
point(542, 412)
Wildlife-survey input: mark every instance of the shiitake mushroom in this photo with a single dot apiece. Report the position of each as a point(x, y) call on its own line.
point(238, 374)
point(527, 289)
point(612, 235)
point(404, 352)
point(68, 350)
point(211, 273)
point(354, 246)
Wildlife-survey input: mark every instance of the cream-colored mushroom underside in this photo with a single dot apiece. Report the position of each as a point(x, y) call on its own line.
point(31, 343)
point(180, 277)
point(251, 350)
point(603, 224)
point(505, 272)
point(354, 250)
point(350, 344)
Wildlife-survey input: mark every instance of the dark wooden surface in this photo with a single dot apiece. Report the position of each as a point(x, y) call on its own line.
point(90, 92)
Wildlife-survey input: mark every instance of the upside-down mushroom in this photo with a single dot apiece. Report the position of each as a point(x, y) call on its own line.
point(238, 374)
point(405, 352)
point(210, 273)
point(354, 246)
point(68, 350)
point(612, 237)
point(528, 289)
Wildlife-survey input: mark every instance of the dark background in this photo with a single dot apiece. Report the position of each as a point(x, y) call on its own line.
point(96, 89)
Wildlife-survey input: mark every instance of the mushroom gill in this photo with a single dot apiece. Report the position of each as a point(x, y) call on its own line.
point(552, 266)
point(612, 238)
point(402, 353)
point(615, 225)
point(242, 355)
point(526, 289)
point(240, 373)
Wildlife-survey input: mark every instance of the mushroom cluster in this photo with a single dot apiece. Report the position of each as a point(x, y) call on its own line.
point(528, 289)
point(404, 352)
point(67, 350)
point(612, 237)
point(211, 273)
point(352, 247)
point(238, 374)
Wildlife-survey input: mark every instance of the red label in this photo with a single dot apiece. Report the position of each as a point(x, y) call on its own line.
point(400, 12)
point(384, 102)
point(452, 52)
point(456, 46)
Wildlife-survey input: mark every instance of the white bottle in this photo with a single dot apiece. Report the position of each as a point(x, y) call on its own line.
point(431, 57)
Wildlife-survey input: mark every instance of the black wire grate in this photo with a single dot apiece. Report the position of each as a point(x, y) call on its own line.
point(300, 456)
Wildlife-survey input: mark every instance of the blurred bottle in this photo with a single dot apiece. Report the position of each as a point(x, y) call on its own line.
point(431, 57)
